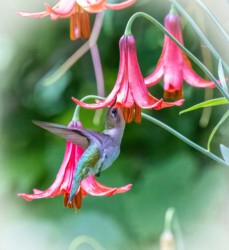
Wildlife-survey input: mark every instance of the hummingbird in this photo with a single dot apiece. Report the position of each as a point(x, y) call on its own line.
point(101, 149)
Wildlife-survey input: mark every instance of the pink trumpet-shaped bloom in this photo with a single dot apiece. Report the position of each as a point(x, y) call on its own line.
point(63, 183)
point(174, 64)
point(78, 12)
point(130, 91)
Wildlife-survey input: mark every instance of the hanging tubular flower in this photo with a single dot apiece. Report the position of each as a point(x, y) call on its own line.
point(63, 183)
point(78, 12)
point(79, 18)
point(174, 63)
point(130, 91)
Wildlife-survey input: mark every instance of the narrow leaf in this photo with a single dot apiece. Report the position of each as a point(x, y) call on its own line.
point(225, 116)
point(225, 153)
point(221, 76)
point(209, 103)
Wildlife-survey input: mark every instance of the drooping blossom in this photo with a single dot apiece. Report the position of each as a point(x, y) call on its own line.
point(63, 183)
point(78, 12)
point(173, 65)
point(130, 91)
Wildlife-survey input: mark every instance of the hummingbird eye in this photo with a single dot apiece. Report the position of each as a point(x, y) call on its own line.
point(114, 111)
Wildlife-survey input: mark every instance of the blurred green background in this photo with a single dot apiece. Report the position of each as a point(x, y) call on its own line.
point(163, 170)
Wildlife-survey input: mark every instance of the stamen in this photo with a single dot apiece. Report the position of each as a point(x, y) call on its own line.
point(131, 115)
point(70, 204)
point(76, 202)
point(79, 24)
point(73, 26)
point(66, 196)
point(125, 113)
point(138, 115)
point(78, 199)
point(128, 114)
point(85, 24)
point(176, 95)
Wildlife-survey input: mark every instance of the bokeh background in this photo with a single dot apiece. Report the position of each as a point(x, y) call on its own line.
point(163, 170)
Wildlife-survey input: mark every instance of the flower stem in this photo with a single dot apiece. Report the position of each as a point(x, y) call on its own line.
point(98, 69)
point(193, 58)
point(85, 240)
point(200, 33)
point(77, 109)
point(168, 219)
point(80, 52)
point(184, 139)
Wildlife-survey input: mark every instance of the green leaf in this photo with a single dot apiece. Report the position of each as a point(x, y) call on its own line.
point(221, 76)
point(225, 116)
point(225, 153)
point(209, 103)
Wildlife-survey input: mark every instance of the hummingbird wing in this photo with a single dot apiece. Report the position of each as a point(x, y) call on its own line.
point(78, 136)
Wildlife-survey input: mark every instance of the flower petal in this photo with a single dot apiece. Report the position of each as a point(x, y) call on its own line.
point(33, 14)
point(157, 74)
point(62, 9)
point(92, 6)
point(136, 82)
point(93, 187)
point(119, 6)
point(63, 181)
point(193, 79)
point(116, 90)
point(56, 188)
point(163, 104)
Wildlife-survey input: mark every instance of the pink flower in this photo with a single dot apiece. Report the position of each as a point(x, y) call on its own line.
point(130, 91)
point(174, 63)
point(78, 12)
point(62, 184)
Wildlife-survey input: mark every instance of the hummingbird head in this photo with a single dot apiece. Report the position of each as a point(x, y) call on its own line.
point(114, 118)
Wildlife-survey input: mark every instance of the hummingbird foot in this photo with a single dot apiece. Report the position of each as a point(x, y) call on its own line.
point(75, 202)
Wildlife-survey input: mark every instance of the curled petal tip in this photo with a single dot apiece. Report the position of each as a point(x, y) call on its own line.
point(128, 187)
point(25, 196)
point(179, 102)
point(97, 105)
point(123, 189)
point(119, 6)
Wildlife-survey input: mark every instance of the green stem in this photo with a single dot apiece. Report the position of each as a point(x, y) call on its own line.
point(85, 240)
point(77, 109)
point(199, 32)
point(184, 139)
point(173, 10)
point(192, 57)
point(168, 219)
